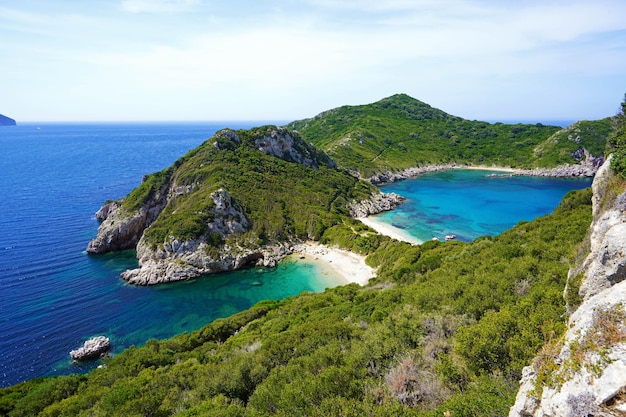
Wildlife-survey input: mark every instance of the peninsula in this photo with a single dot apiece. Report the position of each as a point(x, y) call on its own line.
point(6, 121)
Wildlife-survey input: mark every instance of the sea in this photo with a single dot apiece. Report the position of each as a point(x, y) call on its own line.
point(54, 296)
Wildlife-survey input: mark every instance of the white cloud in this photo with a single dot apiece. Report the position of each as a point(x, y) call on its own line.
point(158, 6)
point(320, 52)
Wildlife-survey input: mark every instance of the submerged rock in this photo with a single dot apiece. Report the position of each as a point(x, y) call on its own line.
point(92, 348)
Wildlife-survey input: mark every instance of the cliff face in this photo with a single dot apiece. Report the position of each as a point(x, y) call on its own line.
point(178, 260)
point(585, 372)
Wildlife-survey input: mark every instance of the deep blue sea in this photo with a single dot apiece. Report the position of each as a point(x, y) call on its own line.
point(54, 296)
point(55, 176)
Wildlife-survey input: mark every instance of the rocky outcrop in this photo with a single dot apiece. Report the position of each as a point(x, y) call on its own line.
point(219, 240)
point(120, 230)
point(376, 204)
point(605, 265)
point(180, 261)
point(585, 373)
point(408, 173)
point(93, 348)
point(280, 143)
point(586, 168)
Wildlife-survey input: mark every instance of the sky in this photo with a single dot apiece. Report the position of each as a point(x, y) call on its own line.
point(196, 60)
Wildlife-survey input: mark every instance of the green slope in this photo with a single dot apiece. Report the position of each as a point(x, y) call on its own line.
point(445, 327)
point(282, 199)
point(401, 132)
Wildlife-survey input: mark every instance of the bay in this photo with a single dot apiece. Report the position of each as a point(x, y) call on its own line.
point(471, 203)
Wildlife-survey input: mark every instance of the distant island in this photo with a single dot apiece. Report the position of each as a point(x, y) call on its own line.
point(6, 121)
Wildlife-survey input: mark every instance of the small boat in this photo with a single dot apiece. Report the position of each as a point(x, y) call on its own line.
point(450, 237)
point(436, 239)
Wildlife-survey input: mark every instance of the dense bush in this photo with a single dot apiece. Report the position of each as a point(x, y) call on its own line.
point(450, 334)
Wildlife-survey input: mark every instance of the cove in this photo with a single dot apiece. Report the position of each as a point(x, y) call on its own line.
point(471, 203)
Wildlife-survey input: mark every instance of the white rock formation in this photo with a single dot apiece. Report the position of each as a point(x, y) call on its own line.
point(588, 372)
point(377, 203)
point(92, 348)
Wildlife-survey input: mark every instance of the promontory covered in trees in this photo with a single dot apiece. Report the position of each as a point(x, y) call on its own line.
point(6, 121)
point(444, 329)
point(249, 197)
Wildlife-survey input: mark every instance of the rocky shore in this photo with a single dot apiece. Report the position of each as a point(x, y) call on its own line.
point(377, 203)
point(587, 168)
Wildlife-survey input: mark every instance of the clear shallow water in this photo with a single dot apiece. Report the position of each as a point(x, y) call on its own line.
point(53, 296)
point(470, 204)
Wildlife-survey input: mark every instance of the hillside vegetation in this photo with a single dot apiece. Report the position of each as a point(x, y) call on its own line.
point(401, 132)
point(444, 327)
point(282, 198)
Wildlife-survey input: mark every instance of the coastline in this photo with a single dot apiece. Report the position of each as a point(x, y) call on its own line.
point(389, 230)
point(488, 168)
point(587, 168)
point(348, 266)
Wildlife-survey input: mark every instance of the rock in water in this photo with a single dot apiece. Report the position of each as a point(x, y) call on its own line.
point(92, 348)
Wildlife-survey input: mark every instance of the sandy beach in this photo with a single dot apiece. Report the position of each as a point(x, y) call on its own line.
point(388, 230)
point(348, 266)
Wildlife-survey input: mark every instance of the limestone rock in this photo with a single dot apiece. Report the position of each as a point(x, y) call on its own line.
point(592, 357)
point(180, 261)
point(92, 348)
point(606, 263)
point(120, 230)
point(377, 203)
point(108, 209)
point(280, 143)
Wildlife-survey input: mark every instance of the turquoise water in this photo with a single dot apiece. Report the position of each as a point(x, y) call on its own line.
point(470, 203)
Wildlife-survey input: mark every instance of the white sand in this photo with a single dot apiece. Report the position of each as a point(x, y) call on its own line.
point(389, 230)
point(348, 266)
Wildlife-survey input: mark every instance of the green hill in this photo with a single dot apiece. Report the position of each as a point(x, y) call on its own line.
point(401, 132)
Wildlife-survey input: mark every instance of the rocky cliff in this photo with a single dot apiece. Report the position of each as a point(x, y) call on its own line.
point(584, 373)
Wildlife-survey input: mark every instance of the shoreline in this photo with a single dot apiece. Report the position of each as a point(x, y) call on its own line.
point(349, 267)
point(586, 169)
point(486, 168)
point(389, 230)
